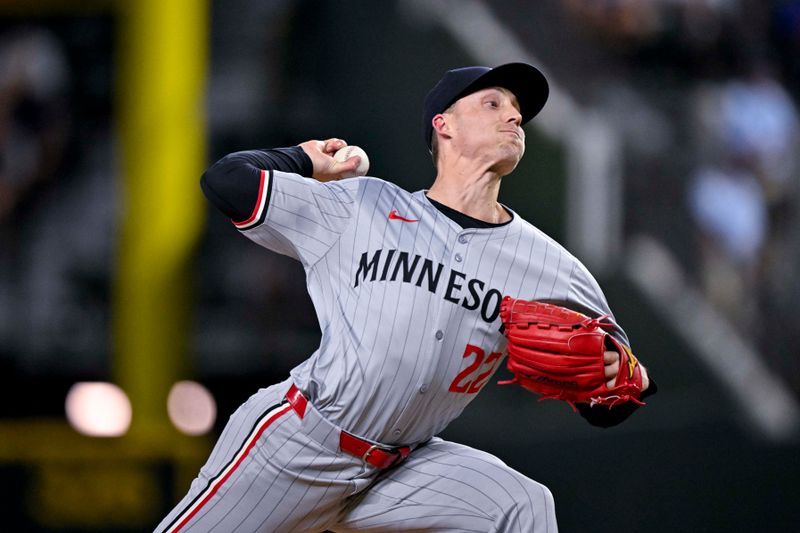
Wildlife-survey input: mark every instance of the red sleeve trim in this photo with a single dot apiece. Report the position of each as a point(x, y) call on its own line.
point(260, 209)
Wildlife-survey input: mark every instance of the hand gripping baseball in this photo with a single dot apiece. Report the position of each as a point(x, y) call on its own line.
point(326, 168)
point(558, 353)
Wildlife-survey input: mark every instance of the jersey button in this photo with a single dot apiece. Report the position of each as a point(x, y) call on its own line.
point(462, 239)
point(397, 431)
point(458, 258)
point(439, 335)
point(423, 389)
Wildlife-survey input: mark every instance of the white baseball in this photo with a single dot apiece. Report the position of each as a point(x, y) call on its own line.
point(349, 151)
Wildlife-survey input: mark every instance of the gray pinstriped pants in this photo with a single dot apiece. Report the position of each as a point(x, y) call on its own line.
point(270, 471)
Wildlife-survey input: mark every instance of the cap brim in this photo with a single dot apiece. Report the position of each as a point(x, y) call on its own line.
point(526, 82)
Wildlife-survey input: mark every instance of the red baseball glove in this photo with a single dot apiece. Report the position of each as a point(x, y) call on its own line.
point(558, 353)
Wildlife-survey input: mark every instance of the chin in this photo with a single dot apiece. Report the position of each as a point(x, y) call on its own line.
point(508, 160)
point(505, 167)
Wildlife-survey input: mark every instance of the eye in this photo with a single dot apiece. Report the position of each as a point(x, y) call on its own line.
point(492, 103)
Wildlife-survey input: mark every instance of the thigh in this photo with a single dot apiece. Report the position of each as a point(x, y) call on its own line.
point(445, 486)
point(265, 474)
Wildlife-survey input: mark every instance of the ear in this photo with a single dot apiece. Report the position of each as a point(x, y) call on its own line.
point(441, 125)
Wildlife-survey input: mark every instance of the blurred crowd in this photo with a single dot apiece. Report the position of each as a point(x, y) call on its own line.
point(32, 120)
point(722, 192)
point(57, 203)
point(33, 137)
point(730, 70)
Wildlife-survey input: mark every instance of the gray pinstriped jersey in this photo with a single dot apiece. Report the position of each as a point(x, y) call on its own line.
point(407, 300)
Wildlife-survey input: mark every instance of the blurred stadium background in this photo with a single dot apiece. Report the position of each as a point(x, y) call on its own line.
point(667, 160)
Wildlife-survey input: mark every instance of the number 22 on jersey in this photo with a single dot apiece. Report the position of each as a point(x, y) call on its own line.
point(474, 376)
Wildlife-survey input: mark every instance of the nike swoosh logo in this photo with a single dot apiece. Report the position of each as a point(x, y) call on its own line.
point(394, 216)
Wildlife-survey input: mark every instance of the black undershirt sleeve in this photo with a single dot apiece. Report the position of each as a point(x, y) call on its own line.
point(606, 417)
point(233, 182)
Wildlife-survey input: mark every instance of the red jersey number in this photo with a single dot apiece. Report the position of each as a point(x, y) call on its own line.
point(474, 376)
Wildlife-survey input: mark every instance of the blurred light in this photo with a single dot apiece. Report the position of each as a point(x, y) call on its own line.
point(191, 408)
point(98, 409)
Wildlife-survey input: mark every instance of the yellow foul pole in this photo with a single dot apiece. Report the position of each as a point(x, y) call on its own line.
point(160, 98)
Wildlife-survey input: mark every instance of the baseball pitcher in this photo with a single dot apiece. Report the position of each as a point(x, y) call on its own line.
point(421, 297)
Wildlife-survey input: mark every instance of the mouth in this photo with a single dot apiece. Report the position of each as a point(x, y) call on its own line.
point(515, 133)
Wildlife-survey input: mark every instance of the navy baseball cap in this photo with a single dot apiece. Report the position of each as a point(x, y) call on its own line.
point(526, 82)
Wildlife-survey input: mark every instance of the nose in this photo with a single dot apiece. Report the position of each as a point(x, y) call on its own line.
point(514, 116)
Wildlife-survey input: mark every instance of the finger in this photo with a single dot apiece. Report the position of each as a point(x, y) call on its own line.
point(351, 163)
point(611, 370)
point(338, 170)
point(331, 146)
point(346, 167)
point(610, 356)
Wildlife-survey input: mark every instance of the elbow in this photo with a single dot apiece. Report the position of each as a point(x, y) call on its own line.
point(206, 181)
point(213, 178)
point(213, 185)
point(231, 186)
